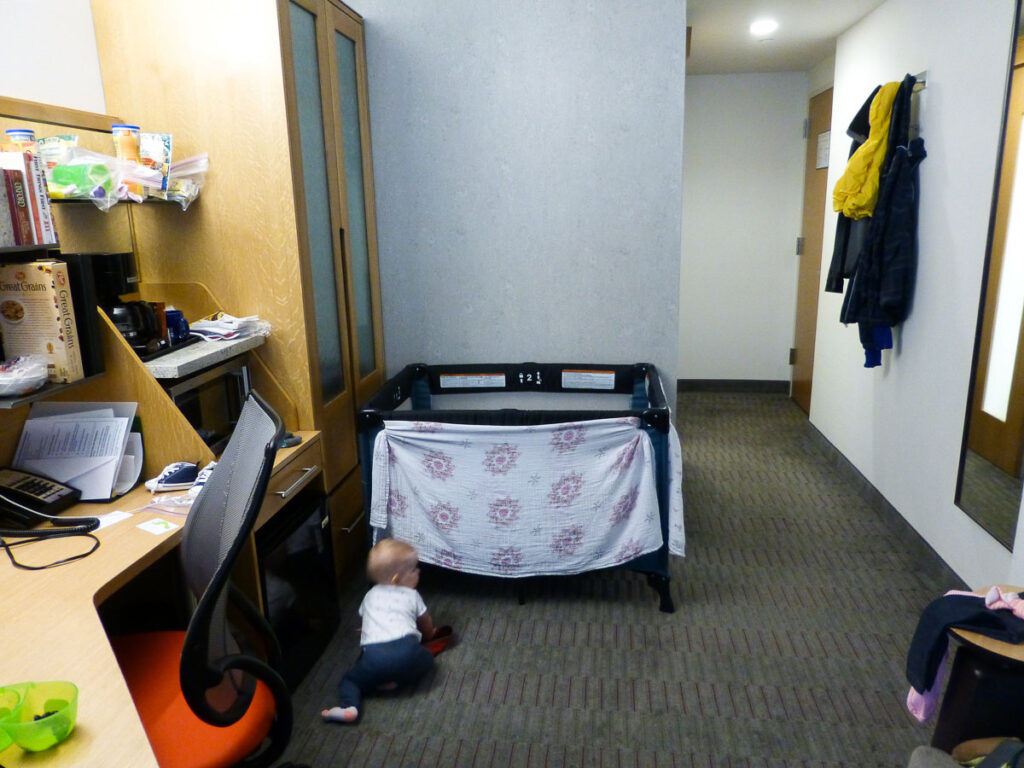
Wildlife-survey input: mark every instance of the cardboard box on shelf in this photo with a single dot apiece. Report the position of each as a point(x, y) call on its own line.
point(37, 316)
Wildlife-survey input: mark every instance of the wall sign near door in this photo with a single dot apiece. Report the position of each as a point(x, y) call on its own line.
point(824, 143)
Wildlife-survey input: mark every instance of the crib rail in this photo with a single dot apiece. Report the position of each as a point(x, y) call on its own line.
point(417, 384)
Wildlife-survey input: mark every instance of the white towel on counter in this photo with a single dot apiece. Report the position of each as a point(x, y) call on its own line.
point(522, 500)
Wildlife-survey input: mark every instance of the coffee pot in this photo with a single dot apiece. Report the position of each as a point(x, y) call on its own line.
point(137, 322)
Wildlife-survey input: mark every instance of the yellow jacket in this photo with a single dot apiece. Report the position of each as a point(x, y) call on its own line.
point(856, 191)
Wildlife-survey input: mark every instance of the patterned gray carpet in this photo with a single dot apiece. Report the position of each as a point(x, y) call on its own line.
point(794, 608)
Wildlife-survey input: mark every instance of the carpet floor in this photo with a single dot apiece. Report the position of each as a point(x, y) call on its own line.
point(795, 605)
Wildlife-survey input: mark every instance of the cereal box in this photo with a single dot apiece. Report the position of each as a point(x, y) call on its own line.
point(37, 317)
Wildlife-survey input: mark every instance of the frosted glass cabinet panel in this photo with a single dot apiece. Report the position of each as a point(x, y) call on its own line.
point(320, 232)
point(353, 117)
point(345, 50)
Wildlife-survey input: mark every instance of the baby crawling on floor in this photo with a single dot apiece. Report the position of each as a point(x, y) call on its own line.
point(395, 621)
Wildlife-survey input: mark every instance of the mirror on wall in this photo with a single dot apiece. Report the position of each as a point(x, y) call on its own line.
point(990, 483)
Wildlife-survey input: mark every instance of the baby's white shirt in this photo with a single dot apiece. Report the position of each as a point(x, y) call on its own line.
point(390, 612)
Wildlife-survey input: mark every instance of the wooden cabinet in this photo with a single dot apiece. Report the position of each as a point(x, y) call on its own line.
point(275, 91)
point(325, 91)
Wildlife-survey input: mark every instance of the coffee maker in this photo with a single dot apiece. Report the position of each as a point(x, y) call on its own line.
point(115, 275)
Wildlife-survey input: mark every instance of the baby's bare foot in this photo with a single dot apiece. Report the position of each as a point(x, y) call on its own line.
point(340, 715)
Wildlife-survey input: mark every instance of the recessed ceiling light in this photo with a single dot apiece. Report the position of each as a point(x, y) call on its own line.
point(763, 27)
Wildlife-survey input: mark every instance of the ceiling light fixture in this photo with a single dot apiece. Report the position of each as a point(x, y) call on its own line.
point(763, 27)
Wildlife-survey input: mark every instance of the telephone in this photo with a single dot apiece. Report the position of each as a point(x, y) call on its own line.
point(28, 500)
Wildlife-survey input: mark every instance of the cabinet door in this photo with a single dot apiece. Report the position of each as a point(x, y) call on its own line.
point(352, 121)
point(315, 163)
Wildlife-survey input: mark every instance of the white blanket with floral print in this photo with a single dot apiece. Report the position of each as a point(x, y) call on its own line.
point(523, 501)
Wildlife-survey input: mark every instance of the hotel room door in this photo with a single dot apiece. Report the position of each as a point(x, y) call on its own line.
point(809, 275)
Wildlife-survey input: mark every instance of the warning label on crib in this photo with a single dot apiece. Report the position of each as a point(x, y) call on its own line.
point(470, 380)
point(587, 379)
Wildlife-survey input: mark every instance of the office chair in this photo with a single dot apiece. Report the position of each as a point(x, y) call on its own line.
point(204, 701)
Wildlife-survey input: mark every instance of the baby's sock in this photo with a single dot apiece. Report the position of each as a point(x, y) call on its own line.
point(340, 715)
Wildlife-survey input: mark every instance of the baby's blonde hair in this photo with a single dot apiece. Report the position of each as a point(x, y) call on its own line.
point(389, 557)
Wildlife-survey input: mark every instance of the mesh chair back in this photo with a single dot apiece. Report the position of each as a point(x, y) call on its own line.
point(218, 525)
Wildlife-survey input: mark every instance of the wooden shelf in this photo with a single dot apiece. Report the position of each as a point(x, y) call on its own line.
point(32, 252)
point(48, 389)
point(195, 357)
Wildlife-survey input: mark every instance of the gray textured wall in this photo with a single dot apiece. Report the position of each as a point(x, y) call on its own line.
point(528, 161)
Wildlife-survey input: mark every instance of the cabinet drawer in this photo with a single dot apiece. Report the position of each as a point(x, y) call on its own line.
point(348, 529)
point(292, 473)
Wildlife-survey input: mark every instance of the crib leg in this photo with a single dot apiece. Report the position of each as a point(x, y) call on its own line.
point(659, 584)
point(521, 590)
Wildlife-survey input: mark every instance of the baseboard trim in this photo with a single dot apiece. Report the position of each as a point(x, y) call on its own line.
point(923, 555)
point(733, 385)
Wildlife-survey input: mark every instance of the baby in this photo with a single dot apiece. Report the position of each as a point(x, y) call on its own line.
point(395, 619)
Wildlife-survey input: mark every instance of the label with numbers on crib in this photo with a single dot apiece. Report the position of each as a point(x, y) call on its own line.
point(470, 380)
point(587, 379)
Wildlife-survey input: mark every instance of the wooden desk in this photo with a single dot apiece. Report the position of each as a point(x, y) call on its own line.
point(51, 629)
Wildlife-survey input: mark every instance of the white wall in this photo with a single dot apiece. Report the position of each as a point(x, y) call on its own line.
point(49, 54)
point(743, 172)
point(819, 79)
point(528, 163)
point(901, 424)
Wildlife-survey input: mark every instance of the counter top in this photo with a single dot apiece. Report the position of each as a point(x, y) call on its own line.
point(195, 357)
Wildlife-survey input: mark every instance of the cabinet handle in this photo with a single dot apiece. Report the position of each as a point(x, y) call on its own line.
point(352, 527)
point(306, 473)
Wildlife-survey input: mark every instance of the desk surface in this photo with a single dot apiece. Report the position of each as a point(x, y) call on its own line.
point(51, 630)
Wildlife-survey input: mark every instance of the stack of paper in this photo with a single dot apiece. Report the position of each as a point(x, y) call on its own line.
point(89, 446)
point(221, 325)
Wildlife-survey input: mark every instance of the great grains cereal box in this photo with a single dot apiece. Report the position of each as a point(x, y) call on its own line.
point(37, 317)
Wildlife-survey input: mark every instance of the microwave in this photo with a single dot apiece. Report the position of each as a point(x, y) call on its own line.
point(212, 400)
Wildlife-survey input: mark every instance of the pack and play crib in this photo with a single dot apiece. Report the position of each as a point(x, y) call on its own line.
point(530, 469)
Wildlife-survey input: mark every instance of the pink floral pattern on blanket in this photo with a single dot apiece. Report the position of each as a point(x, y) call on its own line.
point(439, 465)
point(624, 458)
point(501, 458)
point(427, 426)
point(566, 489)
point(568, 439)
point(503, 512)
point(444, 515)
point(567, 540)
point(624, 506)
point(448, 559)
point(631, 550)
point(507, 560)
point(398, 505)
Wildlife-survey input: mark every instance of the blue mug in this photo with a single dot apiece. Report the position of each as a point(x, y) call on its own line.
point(177, 326)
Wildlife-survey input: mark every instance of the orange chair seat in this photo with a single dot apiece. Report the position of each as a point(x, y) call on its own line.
point(149, 663)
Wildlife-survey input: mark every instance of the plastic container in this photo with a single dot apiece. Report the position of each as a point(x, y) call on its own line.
point(126, 147)
point(126, 141)
point(24, 138)
point(44, 716)
point(10, 700)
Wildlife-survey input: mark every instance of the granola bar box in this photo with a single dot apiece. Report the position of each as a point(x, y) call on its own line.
point(37, 317)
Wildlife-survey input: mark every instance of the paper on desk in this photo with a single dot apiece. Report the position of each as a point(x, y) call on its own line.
point(85, 445)
point(130, 470)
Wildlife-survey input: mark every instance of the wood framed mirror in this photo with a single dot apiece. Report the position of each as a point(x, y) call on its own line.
point(990, 484)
